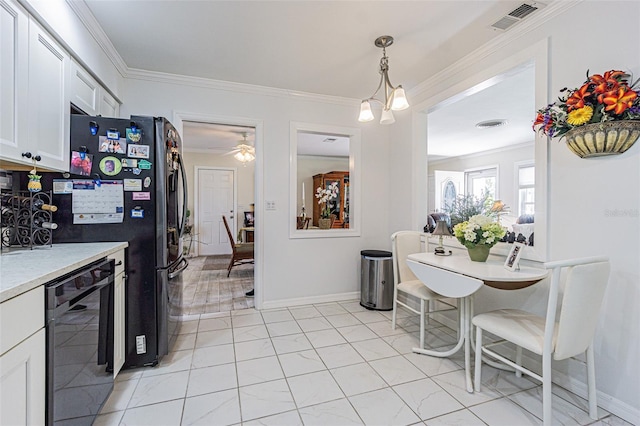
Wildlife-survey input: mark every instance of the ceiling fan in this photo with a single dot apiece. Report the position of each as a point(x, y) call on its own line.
point(243, 152)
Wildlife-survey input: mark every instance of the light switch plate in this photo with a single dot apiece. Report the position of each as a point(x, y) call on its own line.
point(270, 205)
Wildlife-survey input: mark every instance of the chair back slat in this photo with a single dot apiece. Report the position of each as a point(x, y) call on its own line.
point(584, 290)
point(405, 243)
point(231, 239)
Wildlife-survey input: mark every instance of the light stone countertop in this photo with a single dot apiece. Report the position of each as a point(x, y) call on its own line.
point(22, 270)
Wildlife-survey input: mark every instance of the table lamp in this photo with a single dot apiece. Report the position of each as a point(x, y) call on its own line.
point(499, 208)
point(442, 230)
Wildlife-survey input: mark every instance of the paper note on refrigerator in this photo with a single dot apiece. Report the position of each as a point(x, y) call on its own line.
point(103, 197)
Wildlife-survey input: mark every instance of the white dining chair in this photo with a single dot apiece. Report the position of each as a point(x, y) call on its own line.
point(404, 243)
point(584, 287)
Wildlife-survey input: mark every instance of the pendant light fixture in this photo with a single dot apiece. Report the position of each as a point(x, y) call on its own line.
point(243, 152)
point(394, 97)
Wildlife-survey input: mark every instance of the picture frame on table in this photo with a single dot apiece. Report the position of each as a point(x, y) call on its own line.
point(513, 258)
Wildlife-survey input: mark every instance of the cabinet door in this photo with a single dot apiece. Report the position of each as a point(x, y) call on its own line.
point(48, 99)
point(22, 383)
point(14, 60)
point(109, 107)
point(85, 91)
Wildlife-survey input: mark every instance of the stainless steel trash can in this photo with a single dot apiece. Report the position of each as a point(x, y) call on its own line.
point(376, 280)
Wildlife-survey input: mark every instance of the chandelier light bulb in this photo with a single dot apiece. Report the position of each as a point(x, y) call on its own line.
point(387, 117)
point(399, 99)
point(365, 112)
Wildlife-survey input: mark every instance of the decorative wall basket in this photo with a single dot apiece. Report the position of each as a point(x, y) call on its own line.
point(598, 139)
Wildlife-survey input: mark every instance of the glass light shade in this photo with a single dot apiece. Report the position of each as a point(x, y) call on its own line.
point(498, 206)
point(399, 99)
point(387, 117)
point(365, 112)
point(244, 156)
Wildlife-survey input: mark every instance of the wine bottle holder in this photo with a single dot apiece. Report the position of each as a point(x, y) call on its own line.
point(23, 222)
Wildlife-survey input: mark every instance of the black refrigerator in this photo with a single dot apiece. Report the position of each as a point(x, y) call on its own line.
point(138, 161)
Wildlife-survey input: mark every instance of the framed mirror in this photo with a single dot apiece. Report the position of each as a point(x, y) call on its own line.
point(325, 181)
point(480, 142)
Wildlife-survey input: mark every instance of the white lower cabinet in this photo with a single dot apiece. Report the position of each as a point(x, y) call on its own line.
point(22, 382)
point(22, 359)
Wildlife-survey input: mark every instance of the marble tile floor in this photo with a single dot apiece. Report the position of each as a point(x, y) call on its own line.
point(208, 291)
point(324, 364)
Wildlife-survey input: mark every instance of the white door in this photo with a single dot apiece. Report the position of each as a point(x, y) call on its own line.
point(449, 185)
point(215, 198)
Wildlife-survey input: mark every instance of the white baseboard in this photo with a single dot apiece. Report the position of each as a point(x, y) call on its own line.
point(605, 401)
point(326, 298)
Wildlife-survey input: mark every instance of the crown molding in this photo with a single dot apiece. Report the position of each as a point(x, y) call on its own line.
point(89, 21)
point(212, 151)
point(493, 151)
point(552, 10)
point(91, 24)
point(201, 82)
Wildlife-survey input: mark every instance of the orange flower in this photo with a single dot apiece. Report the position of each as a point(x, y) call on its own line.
point(607, 82)
point(619, 100)
point(539, 119)
point(577, 98)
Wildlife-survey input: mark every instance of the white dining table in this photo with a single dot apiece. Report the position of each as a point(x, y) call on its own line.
point(457, 276)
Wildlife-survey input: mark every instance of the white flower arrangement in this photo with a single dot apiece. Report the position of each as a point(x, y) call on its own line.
point(478, 230)
point(324, 195)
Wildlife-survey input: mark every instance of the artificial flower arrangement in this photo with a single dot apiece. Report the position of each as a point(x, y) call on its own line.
point(602, 98)
point(324, 195)
point(478, 230)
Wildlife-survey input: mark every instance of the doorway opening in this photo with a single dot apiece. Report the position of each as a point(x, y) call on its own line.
point(221, 159)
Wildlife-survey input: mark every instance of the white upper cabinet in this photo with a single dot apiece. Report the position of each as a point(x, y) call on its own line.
point(49, 110)
point(34, 107)
point(38, 81)
point(85, 90)
point(109, 107)
point(89, 96)
point(14, 60)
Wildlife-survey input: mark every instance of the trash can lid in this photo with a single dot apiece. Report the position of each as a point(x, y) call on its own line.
point(376, 253)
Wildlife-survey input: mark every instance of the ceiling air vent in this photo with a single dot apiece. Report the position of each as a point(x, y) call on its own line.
point(491, 123)
point(516, 15)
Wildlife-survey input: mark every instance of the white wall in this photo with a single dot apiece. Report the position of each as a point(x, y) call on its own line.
point(292, 268)
point(593, 204)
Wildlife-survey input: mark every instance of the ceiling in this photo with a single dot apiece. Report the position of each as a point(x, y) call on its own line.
point(322, 47)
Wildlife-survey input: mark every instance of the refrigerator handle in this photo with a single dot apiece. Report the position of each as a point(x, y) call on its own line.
point(183, 219)
point(180, 266)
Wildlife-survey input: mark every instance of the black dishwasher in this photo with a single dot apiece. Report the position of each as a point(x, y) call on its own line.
point(79, 330)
